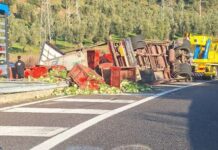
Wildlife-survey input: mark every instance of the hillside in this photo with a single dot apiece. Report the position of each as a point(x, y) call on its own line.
point(77, 22)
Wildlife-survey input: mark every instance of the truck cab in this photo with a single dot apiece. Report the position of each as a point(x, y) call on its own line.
point(205, 59)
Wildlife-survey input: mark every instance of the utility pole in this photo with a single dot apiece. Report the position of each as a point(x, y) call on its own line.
point(72, 7)
point(45, 22)
point(77, 10)
point(200, 7)
point(69, 10)
point(162, 8)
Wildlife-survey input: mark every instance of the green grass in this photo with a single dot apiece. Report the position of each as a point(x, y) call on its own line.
point(17, 48)
point(87, 42)
point(115, 37)
point(63, 44)
point(118, 38)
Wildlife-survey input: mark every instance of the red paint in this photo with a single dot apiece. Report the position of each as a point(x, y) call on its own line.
point(120, 73)
point(85, 77)
point(108, 57)
point(93, 58)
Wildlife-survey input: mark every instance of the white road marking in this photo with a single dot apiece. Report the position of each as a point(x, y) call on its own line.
point(82, 147)
point(188, 84)
point(30, 103)
point(57, 110)
point(30, 131)
point(93, 100)
point(171, 85)
point(136, 94)
point(52, 142)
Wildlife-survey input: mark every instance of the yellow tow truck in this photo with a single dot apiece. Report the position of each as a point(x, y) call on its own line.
point(205, 59)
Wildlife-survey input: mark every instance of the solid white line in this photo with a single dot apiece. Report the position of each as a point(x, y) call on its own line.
point(132, 94)
point(170, 85)
point(57, 110)
point(52, 142)
point(93, 100)
point(30, 103)
point(30, 131)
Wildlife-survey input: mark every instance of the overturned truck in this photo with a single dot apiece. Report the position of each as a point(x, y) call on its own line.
point(132, 58)
point(155, 62)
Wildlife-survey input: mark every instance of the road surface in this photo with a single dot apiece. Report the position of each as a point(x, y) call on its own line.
point(176, 117)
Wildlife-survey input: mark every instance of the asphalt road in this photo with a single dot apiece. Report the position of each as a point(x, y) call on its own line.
point(173, 120)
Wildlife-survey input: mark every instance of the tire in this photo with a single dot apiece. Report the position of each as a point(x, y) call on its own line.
point(184, 70)
point(147, 76)
point(208, 77)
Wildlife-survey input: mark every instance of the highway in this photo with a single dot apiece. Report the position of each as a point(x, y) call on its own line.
point(179, 116)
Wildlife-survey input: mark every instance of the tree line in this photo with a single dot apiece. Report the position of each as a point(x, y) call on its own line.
point(91, 21)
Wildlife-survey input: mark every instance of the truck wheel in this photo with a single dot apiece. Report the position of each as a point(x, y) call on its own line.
point(208, 77)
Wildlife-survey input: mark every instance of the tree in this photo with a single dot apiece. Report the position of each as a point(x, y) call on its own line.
point(77, 21)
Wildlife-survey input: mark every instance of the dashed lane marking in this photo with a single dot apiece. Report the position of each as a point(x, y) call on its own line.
point(57, 110)
point(30, 103)
point(30, 131)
